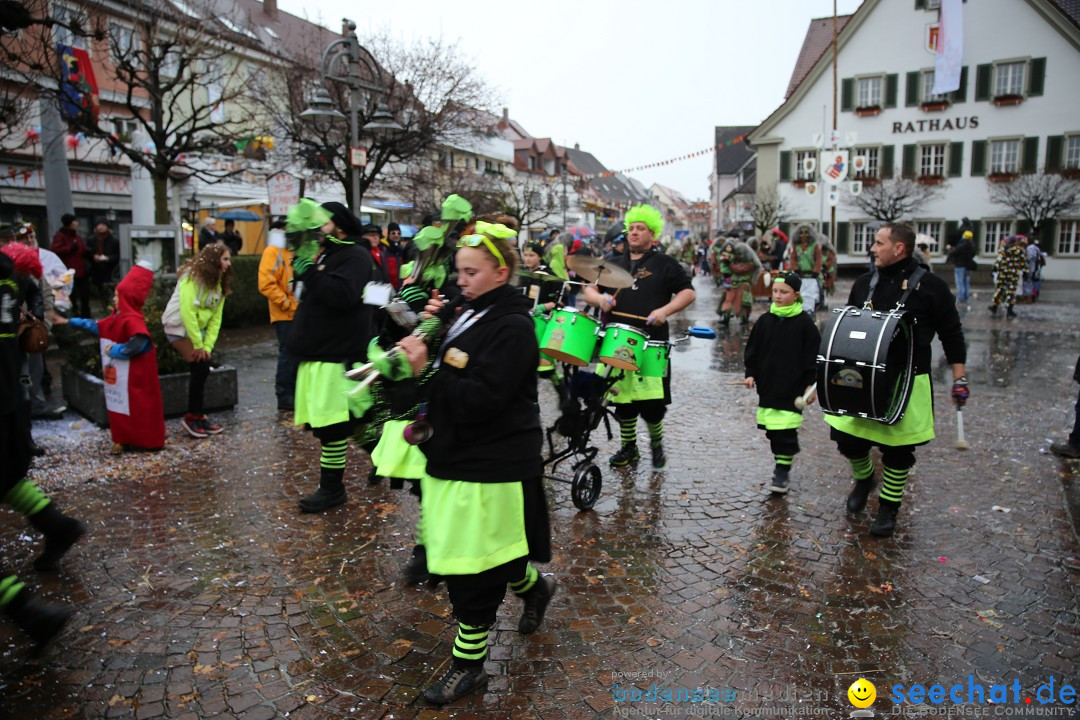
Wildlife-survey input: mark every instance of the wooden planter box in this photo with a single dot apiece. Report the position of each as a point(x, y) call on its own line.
point(86, 393)
point(1001, 177)
point(869, 111)
point(934, 106)
point(930, 179)
point(1005, 100)
point(868, 181)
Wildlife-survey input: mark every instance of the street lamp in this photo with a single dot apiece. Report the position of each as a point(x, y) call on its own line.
point(193, 209)
point(347, 55)
point(110, 215)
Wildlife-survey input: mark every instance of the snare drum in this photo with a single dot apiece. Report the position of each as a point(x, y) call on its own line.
point(570, 337)
point(622, 346)
point(866, 364)
point(654, 359)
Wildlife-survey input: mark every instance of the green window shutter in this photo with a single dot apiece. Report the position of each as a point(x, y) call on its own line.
point(785, 227)
point(956, 159)
point(982, 81)
point(1050, 246)
point(911, 89)
point(920, 4)
point(1023, 227)
point(960, 94)
point(888, 159)
point(951, 226)
point(785, 166)
point(976, 228)
point(892, 84)
point(1030, 161)
point(847, 94)
point(978, 158)
point(1037, 77)
point(842, 233)
point(1054, 147)
point(908, 164)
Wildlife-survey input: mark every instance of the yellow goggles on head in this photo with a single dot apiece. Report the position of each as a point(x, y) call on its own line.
point(478, 240)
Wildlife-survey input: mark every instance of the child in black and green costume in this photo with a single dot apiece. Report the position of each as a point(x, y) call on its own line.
point(484, 510)
point(781, 361)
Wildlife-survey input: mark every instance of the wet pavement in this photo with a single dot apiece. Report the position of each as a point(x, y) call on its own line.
point(201, 591)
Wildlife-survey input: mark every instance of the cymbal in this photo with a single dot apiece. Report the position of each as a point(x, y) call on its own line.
point(601, 272)
point(541, 276)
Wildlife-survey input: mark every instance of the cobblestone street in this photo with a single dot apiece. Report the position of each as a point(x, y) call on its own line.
point(201, 591)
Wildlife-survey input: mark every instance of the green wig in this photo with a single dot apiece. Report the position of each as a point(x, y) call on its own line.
point(646, 214)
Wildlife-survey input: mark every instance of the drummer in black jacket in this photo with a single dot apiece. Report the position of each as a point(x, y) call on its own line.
point(484, 511)
point(781, 361)
point(661, 288)
point(329, 335)
point(934, 310)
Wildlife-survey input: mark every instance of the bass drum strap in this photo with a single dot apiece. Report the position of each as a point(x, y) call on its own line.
point(912, 283)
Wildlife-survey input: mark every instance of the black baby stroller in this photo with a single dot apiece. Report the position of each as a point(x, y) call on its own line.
point(582, 406)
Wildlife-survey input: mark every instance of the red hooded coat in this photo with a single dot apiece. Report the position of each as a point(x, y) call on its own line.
point(143, 423)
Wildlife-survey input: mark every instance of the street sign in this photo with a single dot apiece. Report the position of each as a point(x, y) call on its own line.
point(358, 157)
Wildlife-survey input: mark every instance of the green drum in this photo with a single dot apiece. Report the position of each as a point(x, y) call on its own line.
point(540, 322)
point(570, 337)
point(654, 359)
point(622, 346)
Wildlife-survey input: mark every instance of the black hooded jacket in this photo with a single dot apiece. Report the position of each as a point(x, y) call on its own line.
point(482, 402)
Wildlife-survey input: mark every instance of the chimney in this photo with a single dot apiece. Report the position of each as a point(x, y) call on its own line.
point(270, 9)
point(577, 146)
point(506, 114)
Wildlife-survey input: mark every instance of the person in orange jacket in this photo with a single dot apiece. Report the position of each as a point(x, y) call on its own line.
point(276, 284)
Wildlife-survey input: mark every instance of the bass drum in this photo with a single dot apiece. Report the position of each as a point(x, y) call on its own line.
point(865, 364)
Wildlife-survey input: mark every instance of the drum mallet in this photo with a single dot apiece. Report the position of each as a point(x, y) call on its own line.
point(802, 400)
point(961, 443)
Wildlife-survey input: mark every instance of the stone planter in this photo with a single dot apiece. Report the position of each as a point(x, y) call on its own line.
point(868, 111)
point(86, 393)
point(1007, 100)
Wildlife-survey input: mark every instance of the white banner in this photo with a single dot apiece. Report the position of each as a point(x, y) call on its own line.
point(950, 47)
point(284, 190)
point(115, 374)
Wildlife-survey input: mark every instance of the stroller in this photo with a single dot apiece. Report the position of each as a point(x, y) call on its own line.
point(582, 407)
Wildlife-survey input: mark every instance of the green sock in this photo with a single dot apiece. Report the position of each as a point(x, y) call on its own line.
point(470, 646)
point(892, 486)
point(526, 583)
point(628, 431)
point(9, 588)
point(656, 433)
point(333, 454)
point(862, 468)
point(27, 498)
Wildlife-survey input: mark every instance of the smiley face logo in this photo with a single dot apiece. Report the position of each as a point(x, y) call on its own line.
point(862, 693)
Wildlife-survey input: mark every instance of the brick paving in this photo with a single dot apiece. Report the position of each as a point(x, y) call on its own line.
point(202, 592)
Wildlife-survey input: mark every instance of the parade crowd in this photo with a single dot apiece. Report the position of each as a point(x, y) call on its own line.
point(428, 353)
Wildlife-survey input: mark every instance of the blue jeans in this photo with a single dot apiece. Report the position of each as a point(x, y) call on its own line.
point(963, 284)
point(285, 379)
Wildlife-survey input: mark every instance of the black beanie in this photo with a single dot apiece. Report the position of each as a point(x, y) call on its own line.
point(344, 219)
point(392, 227)
point(791, 279)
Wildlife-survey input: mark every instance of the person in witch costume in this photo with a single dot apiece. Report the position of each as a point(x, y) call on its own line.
point(330, 334)
point(484, 511)
point(129, 365)
point(781, 362)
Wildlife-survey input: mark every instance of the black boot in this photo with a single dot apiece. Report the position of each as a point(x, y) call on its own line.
point(457, 682)
point(41, 620)
point(331, 492)
point(993, 309)
point(780, 479)
point(1010, 312)
point(60, 531)
point(536, 602)
point(416, 570)
point(856, 500)
point(885, 522)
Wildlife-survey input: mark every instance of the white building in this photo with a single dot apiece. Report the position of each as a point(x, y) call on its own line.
point(1017, 111)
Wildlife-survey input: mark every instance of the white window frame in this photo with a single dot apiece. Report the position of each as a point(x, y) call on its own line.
point(873, 161)
point(65, 12)
point(1000, 151)
point(933, 228)
point(1068, 231)
point(933, 159)
point(1071, 161)
point(124, 126)
point(990, 242)
point(800, 175)
point(1012, 81)
point(927, 87)
point(870, 100)
point(118, 31)
point(862, 237)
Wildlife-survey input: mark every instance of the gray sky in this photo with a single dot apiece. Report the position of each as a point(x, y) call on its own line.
point(633, 82)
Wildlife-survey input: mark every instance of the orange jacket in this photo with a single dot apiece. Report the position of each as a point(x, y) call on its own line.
point(275, 282)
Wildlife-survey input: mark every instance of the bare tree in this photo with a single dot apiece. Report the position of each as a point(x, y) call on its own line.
point(894, 199)
point(769, 209)
point(183, 82)
point(529, 198)
point(430, 90)
point(1038, 198)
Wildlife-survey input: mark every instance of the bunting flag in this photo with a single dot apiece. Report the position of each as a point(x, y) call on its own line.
point(610, 173)
point(78, 87)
